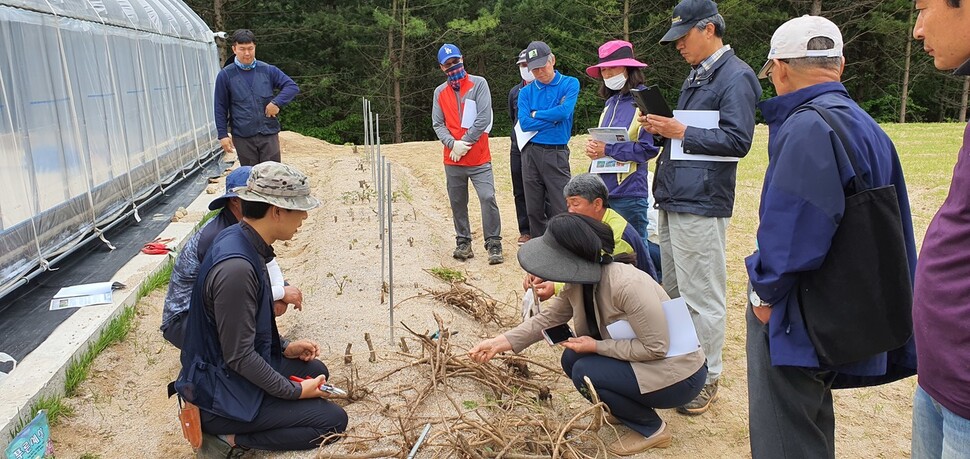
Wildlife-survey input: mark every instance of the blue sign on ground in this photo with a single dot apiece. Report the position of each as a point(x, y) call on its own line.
point(34, 442)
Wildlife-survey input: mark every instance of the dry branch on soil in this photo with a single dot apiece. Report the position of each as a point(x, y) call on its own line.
point(471, 300)
point(515, 421)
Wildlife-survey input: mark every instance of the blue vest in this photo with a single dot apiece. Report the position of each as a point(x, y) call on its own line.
point(205, 380)
point(247, 103)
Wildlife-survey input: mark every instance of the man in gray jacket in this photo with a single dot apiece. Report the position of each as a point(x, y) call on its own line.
point(696, 198)
point(462, 117)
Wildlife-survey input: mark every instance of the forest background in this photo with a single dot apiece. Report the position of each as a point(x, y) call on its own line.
point(340, 51)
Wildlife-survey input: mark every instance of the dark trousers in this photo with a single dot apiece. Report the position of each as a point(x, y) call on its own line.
point(790, 412)
point(518, 191)
point(545, 172)
point(257, 149)
point(617, 387)
point(285, 425)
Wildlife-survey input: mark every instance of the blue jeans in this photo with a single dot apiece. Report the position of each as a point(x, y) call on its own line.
point(617, 387)
point(938, 433)
point(634, 211)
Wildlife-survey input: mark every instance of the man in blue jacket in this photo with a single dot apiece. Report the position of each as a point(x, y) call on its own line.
point(802, 203)
point(244, 96)
point(235, 367)
point(696, 198)
point(546, 111)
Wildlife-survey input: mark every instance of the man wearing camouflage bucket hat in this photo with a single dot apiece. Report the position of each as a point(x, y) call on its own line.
point(234, 365)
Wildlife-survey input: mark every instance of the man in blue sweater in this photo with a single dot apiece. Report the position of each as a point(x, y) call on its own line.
point(802, 203)
point(546, 111)
point(244, 96)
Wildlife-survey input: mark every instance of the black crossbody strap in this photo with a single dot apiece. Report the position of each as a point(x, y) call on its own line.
point(857, 181)
point(590, 308)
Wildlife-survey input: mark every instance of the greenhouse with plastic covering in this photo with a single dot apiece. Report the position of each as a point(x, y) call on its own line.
point(103, 105)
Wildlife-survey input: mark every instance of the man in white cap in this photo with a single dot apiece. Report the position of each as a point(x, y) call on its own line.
point(696, 198)
point(235, 367)
point(802, 203)
point(515, 155)
point(461, 115)
point(941, 296)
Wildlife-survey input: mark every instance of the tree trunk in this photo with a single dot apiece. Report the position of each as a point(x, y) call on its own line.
point(909, 57)
point(394, 56)
point(220, 26)
point(816, 7)
point(398, 113)
point(626, 20)
point(963, 103)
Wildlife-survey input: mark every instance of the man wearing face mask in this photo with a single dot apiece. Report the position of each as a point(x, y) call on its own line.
point(244, 98)
point(546, 109)
point(461, 115)
point(515, 156)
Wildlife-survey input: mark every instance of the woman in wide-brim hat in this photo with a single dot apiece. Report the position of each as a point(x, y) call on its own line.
point(618, 71)
point(632, 374)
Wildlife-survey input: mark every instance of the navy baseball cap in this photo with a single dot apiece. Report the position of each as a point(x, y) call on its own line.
point(448, 51)
point(537, 54)
point(687, 14)
point(235, 179)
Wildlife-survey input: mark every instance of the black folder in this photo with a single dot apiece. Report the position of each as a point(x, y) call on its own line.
point(651, 102)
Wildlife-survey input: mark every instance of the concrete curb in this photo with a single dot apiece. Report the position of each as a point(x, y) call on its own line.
point(42, 372)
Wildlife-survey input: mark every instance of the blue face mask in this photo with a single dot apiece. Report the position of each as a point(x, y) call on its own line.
point(245, 67)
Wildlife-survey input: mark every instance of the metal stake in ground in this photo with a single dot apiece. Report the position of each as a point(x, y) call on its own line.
point(390, 254)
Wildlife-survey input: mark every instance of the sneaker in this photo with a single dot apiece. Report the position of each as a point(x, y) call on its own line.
point(214, 447)
point(463, 251)
point(495, 252)
point(523, 238)
point(702, 402)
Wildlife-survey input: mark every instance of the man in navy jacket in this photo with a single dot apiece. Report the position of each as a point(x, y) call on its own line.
point(802, 202)
point(696, 198)
point(244, 98)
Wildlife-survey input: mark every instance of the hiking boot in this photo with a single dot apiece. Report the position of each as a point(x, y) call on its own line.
point(214, 447)
point(463, 251)
point(494, 252)
point(702, 402)
point(523, 238)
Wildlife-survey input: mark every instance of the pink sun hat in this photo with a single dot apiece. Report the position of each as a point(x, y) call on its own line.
point(616, 53)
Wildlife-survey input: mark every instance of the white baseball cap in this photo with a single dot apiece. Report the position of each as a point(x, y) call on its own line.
point(790, 40)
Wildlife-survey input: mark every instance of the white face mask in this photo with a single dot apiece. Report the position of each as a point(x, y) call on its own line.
point(527, 76)
point(615, 82)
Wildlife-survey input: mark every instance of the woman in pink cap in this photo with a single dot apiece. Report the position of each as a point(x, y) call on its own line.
point(619, 72)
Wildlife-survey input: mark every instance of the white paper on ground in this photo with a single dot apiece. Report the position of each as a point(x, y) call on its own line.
point(704, 119)
point(522, 137)
point(469, 114)
point(77, 296)
point(680, 327)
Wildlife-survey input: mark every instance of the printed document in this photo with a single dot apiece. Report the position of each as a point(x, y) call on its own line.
point(523, 137)
point(680, 328)
point(469, 114)
point(77, 296)
point(704, 119)
point(609, 135)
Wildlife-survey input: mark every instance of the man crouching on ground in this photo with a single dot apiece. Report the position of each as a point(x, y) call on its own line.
point(234, 365)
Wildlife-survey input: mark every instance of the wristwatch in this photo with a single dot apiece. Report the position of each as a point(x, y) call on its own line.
point(756, 301)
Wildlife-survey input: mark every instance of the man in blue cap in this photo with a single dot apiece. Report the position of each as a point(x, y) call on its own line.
point(186, 267)
point(546, 113)
point(461, 115)
point(696, 198)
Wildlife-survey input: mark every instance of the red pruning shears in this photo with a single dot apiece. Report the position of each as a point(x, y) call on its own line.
point(324, 387)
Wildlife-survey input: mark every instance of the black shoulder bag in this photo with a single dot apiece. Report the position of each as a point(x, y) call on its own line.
point(858, 303)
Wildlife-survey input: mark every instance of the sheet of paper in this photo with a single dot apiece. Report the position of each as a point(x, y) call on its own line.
point(704, 119)
point(609, 135)
point(683, 335)
point(530, 304)
point(523, 137)
point(77, 296)
point(621, 329)
point(469, 114)
point(608, 165)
